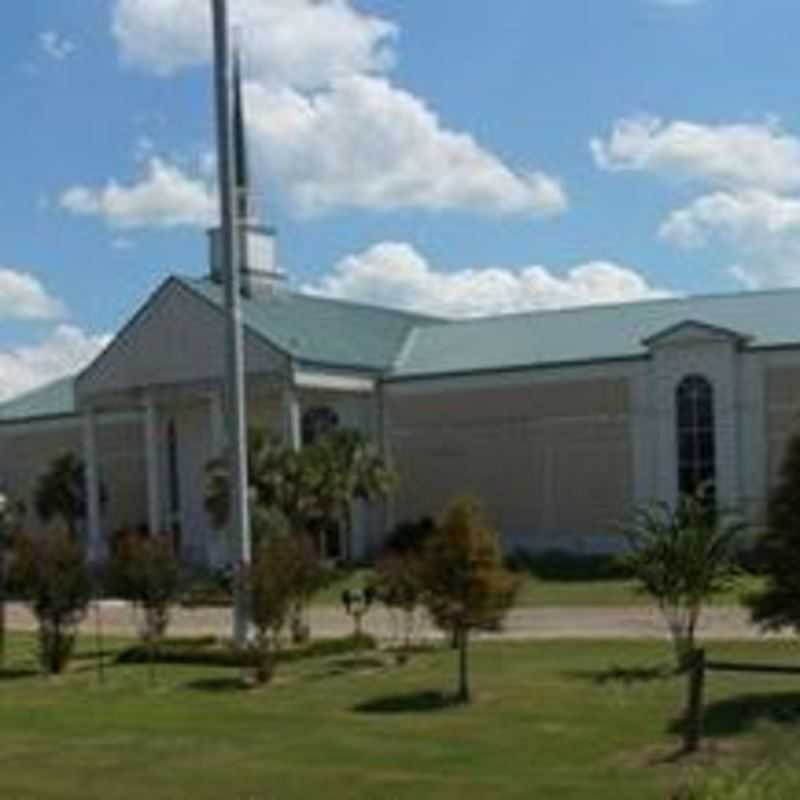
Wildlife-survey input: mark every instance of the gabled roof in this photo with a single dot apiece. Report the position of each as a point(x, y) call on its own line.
point(323, 331)
point(594, 333)
point(353, 337)
point(51, 400)
point(693, 328)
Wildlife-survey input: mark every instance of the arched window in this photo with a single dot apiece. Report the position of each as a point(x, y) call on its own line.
point(317, 422)
point(694, 402)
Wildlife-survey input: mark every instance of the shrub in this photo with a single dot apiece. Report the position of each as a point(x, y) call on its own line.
point(466, 585)
point(778, 550)
point(409, 537)
point(272, 590)
point(145, 571)
point(52, 576)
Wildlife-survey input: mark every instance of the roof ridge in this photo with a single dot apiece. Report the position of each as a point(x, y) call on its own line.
point(343, 301)
point(621, 304)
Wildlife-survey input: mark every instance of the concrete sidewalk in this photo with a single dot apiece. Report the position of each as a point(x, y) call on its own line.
point(717, 623)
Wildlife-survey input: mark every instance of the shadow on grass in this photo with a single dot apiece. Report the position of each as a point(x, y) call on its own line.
point(629, 676)
point(343, 666)
point(738, 715)
point(408, 703)
point(10, 674)
point(219, 685)
point(563, 567)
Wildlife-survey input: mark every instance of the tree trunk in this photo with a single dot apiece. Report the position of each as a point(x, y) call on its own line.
point(693, 722)
point(463, 695)
point(2, 602)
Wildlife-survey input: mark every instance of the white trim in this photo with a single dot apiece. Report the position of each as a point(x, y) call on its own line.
point(338, 383)
point(521, 377)
point(65, 423)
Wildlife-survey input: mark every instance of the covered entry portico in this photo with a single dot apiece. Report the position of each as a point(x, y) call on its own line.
point(182, 421)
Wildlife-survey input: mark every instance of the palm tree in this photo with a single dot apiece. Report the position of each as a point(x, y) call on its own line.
point(682, 557)
point(346, 468)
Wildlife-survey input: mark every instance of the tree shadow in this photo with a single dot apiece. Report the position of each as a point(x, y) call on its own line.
point(11, 674)
point(628, 676)
point(408, 703)
point(343, 666)
point(740, 714)
point(221, 685)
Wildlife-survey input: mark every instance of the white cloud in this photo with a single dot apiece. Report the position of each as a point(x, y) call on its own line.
point(395, 274)
point(761, 227)
point(736, 155)
point(164, 197)
point(302, 43)
point(22, 297)
point(65, 350)
point(325, 119)
point(368, 144)
point(55, 45)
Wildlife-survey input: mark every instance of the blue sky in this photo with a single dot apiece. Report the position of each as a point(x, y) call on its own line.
point(454, 156)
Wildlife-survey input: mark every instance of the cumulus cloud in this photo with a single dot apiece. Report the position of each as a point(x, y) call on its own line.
point(395, 274)
point(302, 43)
point(762, 228)
point(325, 119)
point(23, 297)
point(164, 197)
point(63, 351)
point(748, 180)
point(368, 144)
point(737, 155)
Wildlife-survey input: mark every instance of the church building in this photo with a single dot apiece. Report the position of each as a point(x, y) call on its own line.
point(559, 421)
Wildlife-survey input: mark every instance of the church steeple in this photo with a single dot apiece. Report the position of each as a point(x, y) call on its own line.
point(258, 265)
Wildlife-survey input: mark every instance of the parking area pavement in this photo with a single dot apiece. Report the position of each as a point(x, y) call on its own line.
point(717, 623)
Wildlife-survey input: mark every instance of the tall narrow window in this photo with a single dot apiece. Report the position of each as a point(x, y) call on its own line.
point(696, 440)
point(173, 473)
point(317, 422)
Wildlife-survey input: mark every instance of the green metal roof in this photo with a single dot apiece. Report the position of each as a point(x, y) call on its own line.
point(323, 331)
point(52, 400)
point(348, 336)
point(594, 333)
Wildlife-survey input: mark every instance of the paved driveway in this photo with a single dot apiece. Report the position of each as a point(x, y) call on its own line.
point(524, 623)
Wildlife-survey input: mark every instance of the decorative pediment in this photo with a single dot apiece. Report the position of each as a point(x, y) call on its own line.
point(692, 332)
point(177, 337)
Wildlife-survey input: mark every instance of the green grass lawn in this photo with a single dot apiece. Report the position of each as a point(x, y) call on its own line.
point(550, 720)
point(536, 591)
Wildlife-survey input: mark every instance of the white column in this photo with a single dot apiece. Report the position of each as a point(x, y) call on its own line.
point(216, 548)
point(94, 543)
point(216, 414)
point(152, 465)
point(291, 413)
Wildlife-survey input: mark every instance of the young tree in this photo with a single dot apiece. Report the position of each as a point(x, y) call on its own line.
point(398, 584)
point(778, 549)
point(55, 582)
point(682, 557)
point(273, 587)
point(61, 493)
point(466, 585)
point(145, 570)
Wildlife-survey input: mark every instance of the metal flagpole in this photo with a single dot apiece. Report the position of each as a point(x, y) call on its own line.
point(234, 371)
